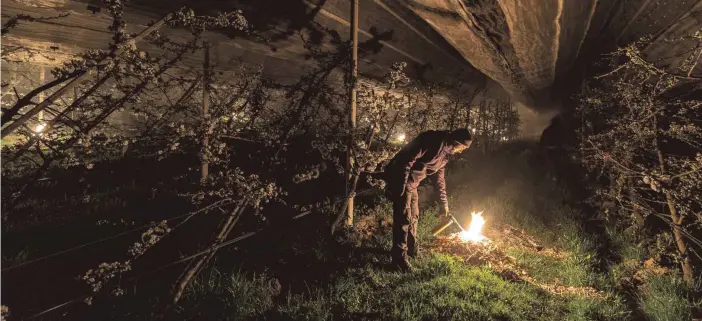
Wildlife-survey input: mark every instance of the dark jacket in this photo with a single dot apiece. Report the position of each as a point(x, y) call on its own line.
point(425, 155)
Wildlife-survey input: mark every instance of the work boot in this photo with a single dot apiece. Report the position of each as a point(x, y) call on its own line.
point(402, 265)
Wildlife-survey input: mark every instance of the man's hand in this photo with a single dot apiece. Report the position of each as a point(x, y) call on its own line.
point(445, 212)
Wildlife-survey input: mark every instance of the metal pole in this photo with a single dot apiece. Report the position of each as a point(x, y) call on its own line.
point(352, 120)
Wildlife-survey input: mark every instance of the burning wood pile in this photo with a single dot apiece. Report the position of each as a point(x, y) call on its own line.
point(477, 249)
point(474, 248)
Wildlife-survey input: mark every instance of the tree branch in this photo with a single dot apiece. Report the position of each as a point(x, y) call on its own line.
point(27, 99)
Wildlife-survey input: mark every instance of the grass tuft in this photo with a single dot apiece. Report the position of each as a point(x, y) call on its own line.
point(231, 296)
point(666, 298)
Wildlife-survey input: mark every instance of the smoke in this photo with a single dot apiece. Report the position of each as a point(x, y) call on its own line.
point(534, 123)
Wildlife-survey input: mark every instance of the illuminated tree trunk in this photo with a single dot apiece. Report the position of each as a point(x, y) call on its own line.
point(676, 218)
point(352, 117)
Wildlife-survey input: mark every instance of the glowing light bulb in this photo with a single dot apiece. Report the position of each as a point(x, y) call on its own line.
point(401, 137)
point(40, 128)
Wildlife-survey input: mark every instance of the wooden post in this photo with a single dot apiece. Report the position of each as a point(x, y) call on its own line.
point(206, 112)
point(352, 118)
point(41, 94)
point(484, 120)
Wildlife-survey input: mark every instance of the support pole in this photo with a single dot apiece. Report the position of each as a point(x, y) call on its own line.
point(352, 118)
point(41, 94)
point(206, 113)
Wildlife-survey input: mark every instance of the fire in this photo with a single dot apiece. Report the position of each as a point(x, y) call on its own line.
point(473, 234)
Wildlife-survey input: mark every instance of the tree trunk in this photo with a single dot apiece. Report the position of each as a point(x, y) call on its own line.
point(469, 102)
point(348, 221)
point(428, 111)
point(677, 219)
point(680, 239)
point(456, 107)
point(192, 271)
point(354, 184)
point(392, 126)
point(453, 115)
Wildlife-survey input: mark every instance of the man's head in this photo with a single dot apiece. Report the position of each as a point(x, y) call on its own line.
point(460, 139)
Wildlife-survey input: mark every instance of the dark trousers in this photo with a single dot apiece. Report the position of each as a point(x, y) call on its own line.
point(405, 216)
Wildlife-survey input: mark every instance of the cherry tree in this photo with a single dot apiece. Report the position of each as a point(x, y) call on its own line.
point(642, 135)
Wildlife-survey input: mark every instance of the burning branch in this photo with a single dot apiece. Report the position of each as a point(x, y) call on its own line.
point(474, 232)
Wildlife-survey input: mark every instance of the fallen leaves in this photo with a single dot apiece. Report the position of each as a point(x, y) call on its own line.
point(581, 291)
point(490, 253)
point(509, 236)
point(483, 253)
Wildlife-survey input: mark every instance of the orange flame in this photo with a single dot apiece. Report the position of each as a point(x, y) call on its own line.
point(473, 233)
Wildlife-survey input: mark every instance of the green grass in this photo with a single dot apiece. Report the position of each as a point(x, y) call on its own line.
point(571, 271)
point(234, 296)
point(666, 298)
point(657, 297)
point(440, 288)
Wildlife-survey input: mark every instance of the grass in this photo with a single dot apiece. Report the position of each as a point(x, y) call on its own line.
point(442, 288)
point(658, 297)
point(666, 298)
point(234, 296)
